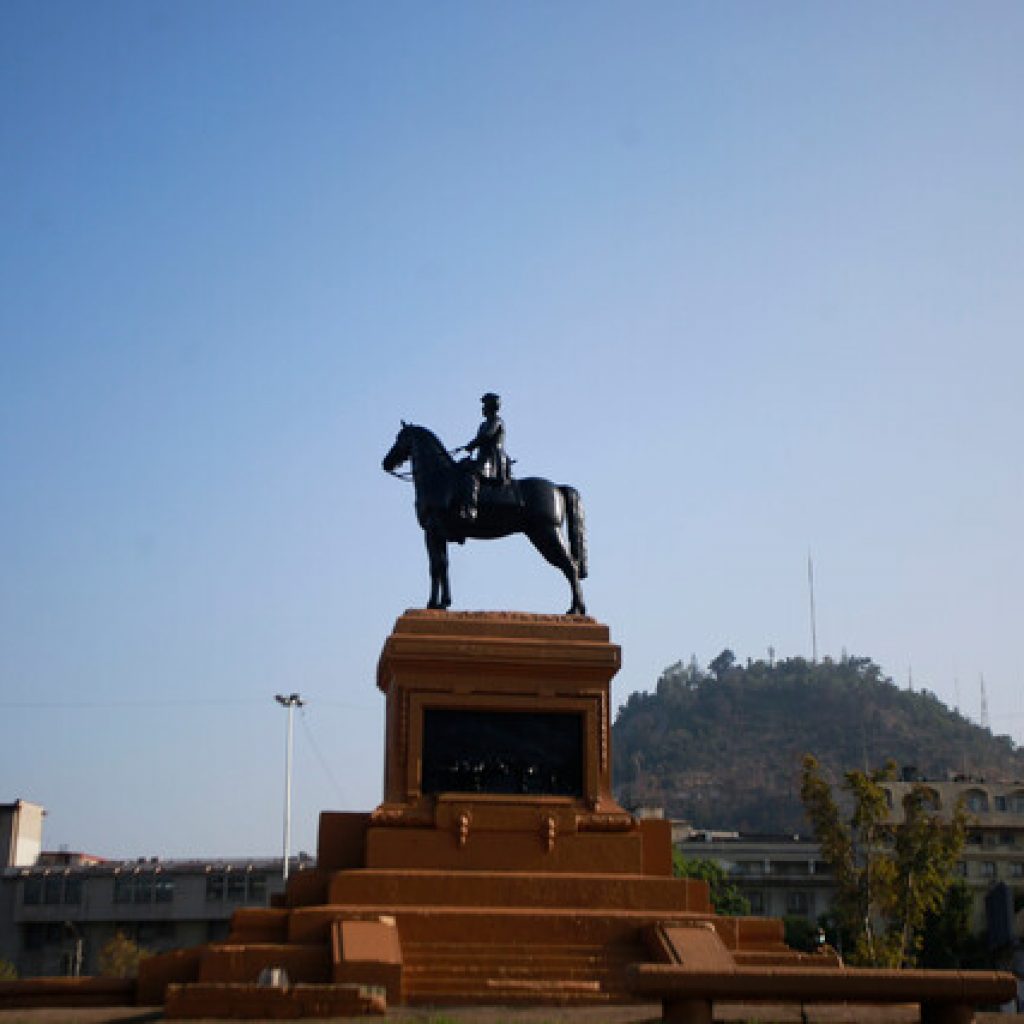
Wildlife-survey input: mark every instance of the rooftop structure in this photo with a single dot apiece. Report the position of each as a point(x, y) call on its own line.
point(21, 833)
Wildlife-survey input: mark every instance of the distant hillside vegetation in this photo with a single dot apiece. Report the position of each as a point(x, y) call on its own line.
point(722, 748)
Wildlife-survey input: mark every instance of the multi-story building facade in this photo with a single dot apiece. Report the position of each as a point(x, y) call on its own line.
point(782, 874)
point(56, 916)
point(779, 875)
point(994, 851)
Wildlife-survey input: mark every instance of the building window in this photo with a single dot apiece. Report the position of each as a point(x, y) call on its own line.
point(977, 801)
point(124, 889)
point(144, 888)
point(960, 869)
point(1017, 869)
point(236, 887)
point(53, 885)
point(1015, 803)
point(797, 903)
point(974, 839)
point(32, 892)
point(756, 900)
point(51, 890)
point(988, 869)
point(214, 888)
point(1001, 803)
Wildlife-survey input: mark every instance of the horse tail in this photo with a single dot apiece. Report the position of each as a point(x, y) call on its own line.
point(577, 529)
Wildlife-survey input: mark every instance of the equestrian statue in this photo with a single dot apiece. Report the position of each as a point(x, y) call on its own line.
point(477, 497)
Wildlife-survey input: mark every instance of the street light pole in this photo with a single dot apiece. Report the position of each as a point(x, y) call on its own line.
point(290, 702)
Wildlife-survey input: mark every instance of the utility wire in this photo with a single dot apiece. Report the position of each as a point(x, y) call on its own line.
point(122, 703)
point(319, 755)
point(182, 703)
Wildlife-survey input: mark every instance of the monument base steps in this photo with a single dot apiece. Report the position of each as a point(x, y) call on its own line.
point(515, 972)
point(499, 868)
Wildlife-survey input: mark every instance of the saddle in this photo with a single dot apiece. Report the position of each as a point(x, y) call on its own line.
point(494, 491)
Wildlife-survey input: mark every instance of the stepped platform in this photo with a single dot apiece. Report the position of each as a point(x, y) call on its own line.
point(499, 869)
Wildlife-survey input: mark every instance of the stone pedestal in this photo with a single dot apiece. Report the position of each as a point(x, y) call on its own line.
point(498, 747)
point(499, 868)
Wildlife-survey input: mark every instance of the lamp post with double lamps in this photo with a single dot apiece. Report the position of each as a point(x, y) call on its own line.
point(291, 702)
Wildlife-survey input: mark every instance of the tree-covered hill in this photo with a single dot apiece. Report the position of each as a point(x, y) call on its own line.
point(722, 748)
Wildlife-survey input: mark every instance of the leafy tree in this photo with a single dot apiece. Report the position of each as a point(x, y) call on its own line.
point(946, 939)
point(721, 665)
point(120, 957)
point(889, 875)
point(8, 972)
point(725, 897)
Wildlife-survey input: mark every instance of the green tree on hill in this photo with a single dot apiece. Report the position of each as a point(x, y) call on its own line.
point(721, 747)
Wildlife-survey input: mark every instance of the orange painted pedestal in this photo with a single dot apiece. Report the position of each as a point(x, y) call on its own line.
point(499, 867)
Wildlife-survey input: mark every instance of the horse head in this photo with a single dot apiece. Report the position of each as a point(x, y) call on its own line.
point(400, 451)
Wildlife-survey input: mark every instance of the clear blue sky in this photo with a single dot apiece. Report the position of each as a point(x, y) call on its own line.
point(748, 275)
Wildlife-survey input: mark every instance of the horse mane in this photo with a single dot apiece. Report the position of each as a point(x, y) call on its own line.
point(432, 439)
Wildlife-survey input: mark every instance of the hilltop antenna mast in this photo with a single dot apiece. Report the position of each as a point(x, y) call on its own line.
point(984, 702)
point(810, 590)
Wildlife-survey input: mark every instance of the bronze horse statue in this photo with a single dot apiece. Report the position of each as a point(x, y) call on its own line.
point(532, 506)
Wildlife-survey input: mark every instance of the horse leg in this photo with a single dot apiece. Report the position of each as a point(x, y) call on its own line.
point(548, 540)
point(437, 552)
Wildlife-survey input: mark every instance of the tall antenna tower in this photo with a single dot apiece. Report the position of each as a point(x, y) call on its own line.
point(814, 627)
point(984, 702)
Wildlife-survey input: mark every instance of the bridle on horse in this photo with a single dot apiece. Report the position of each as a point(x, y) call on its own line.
point(407, 477)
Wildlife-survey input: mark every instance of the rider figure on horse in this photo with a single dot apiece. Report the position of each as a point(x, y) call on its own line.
point(489, 463)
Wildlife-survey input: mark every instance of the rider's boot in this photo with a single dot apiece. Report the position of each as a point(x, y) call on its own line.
point(470, 508)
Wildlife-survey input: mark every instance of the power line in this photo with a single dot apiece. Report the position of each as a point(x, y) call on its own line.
point(87, 705)
point(315, 747)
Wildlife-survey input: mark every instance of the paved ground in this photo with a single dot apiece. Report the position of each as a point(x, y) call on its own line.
point(641, 1014)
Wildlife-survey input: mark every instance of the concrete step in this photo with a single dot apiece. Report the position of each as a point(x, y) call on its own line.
point(517, 889)
point(483, 924)
point(511, 994)
point(533, 972)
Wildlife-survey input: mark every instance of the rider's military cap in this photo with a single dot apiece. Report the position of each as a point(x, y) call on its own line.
point(491, 398)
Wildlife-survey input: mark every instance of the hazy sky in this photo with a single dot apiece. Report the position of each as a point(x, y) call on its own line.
point(749, 275)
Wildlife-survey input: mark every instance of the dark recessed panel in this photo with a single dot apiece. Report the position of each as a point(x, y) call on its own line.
point(539, 753)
